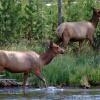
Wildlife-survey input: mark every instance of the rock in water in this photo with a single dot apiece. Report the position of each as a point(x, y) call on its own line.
point(84, 82)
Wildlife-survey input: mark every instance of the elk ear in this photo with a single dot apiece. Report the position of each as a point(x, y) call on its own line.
point(51, 44)
point(99, 12)
point(94, 10)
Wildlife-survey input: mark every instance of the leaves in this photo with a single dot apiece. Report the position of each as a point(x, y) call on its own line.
point(34, 20)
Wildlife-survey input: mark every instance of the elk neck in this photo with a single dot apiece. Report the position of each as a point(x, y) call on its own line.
point(94, 20)
point(47, 56)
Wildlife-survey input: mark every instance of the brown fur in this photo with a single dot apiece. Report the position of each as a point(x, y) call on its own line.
point(79, 31)
point(26, 62)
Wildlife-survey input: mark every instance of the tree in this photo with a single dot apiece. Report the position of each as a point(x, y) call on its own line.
point(9, 15)
point(59, 12)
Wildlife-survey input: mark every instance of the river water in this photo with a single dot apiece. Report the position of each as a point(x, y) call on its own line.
point(50, 93)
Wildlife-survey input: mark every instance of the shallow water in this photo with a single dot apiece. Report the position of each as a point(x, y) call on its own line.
point(50, 93)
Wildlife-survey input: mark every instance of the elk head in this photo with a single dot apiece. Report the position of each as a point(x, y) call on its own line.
point(55, 48)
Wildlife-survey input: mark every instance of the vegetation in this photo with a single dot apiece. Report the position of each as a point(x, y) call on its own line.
point(27, 24)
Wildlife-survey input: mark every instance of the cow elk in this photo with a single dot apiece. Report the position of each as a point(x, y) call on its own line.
point(79, 31)
point(26, 62)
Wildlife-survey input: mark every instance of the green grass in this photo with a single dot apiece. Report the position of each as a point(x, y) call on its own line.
point(68, 68)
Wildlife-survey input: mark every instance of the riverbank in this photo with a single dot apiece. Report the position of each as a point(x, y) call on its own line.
point(70, 69)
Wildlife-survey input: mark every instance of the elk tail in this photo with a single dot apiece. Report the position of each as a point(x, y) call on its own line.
point(60, 29)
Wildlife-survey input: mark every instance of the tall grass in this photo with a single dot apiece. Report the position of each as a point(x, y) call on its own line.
point(70, 68)
point(67, 69)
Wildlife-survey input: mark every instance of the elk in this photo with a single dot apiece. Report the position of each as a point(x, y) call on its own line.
point(79, 31)
point(26, 62)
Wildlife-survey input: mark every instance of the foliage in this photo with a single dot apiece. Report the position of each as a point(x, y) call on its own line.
point(24, 24)
point(10, 19)
point(34, 19)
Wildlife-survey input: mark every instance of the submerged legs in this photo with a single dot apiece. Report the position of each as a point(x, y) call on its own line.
point(24, 81)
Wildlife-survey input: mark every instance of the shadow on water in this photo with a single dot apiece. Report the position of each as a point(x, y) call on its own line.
point(50, 93)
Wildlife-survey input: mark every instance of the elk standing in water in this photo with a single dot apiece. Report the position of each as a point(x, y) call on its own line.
point(79, 31)
point(25, 62)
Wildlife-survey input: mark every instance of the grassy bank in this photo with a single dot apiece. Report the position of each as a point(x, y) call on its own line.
point(67, 69)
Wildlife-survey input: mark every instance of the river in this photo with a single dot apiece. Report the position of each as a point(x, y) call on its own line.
point(50, 93)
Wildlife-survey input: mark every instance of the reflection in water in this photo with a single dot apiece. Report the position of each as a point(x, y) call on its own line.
point(50, 93)
point(83, 97)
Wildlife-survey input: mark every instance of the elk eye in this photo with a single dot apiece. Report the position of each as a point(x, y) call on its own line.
point(57, 47)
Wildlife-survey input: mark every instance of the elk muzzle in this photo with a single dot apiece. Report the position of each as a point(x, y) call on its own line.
point(62, 51)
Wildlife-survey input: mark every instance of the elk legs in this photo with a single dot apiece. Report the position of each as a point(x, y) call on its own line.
point(38, 74)
point(24, 81)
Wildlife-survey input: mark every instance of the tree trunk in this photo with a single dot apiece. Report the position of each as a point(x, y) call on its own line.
point(59, 12)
